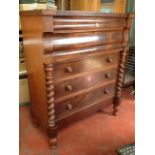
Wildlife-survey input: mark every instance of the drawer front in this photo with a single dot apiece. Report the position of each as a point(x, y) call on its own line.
point(70, 68)
point(74, 85)
point(75, 41)
point(76, 103)
point(66, 24)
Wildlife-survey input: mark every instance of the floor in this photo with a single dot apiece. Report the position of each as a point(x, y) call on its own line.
point(100, 134)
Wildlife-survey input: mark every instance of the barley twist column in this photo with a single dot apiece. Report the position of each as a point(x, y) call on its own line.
point(51, 106)
point(118, 92)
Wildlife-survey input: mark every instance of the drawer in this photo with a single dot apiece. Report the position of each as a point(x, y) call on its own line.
point(76, 41)
point(63, 70)
point(85, 82)
point(76, 103)
point(80, 24)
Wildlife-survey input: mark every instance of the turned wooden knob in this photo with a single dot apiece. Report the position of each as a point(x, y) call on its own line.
point(68, 69)
point(69, 87)
point(109, 60)
point(107, 75)
point(106, 91)
point(69, 106)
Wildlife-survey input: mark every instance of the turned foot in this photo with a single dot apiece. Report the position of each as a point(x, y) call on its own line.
point(53, 146)
point(116, 106)
point(34, 121)
point(53, 143)
point(36, 125)
point(115, 111)
point(100, 110)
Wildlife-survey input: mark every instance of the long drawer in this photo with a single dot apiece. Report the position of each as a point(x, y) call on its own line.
point(77, 84)
point(58, 42)
point(66, 24)
point(69, 68)
point(72, 105)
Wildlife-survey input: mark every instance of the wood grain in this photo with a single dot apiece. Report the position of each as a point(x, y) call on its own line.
point(84, 82)
point(75, 67)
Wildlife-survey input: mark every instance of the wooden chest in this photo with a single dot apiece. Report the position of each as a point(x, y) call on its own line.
point(75, 63)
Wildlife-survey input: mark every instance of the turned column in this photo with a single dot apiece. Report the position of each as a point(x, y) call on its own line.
point(52, 127)
point(120, 78)
point(121, 70)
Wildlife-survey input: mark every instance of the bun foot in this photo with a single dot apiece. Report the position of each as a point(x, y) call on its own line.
point(115, 111)
point(34, 120)
point(116, 105)
point(100, 110)
point(36, 125)
point(53, 143)
point(53, 146)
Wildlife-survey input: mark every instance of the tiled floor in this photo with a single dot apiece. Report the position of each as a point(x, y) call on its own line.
point(100, 134)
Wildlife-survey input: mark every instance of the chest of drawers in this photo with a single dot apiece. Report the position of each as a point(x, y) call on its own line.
point(75, 63)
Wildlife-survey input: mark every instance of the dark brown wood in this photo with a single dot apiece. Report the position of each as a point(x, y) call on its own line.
point(71, 105)
point(84, 65)
point(34, 120)
point(84, 112)
point(51, 105)
point(75, 63)
point(120, 77)
point(117, 99)
point(58, 57)
point(67, 41)
point(74, 85)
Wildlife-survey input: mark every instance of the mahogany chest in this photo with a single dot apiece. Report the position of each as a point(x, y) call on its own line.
point(75, 63)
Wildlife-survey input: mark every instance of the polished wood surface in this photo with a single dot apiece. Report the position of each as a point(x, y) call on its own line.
point(71, 105)
point(75, 63)
point(84, 112)
point(75, 67)
point(74, 85)
point(59, 42)
point(86, 23)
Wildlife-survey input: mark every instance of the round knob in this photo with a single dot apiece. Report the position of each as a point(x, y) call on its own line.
point(68, 69)
point(69, 87)
point(106, 91)
point(109, 60)
point(69, 107)
point(107, 75)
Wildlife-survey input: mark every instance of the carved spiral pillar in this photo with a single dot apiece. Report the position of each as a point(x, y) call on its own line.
point(121, 70)
point(51, 106)
point(120, 78)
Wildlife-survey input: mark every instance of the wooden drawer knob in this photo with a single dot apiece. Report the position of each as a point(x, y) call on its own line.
point(68, 69)
point(69, 106)
point(107, 75)
point(109, 60)
point(69, 87)
point(106, 91)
